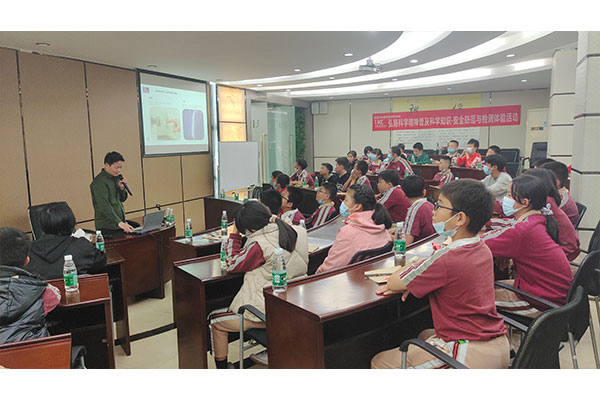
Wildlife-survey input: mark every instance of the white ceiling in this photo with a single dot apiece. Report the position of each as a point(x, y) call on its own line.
point(236, 56)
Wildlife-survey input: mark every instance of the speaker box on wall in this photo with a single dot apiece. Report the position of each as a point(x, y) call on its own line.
point(323, 107)
point(314, 108)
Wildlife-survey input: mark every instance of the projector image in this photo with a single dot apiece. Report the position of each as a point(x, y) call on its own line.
point(370, 67)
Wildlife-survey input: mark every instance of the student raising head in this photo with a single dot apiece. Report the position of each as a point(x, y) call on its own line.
point(419, 156)
point(265, 233)
point(281, 182)
point(291, 199)
point(342, 169)
point(365, 227)
point(493, 149)
point(469, 157)
point(496, 181)
point(272, 199)
point(377, 162)
point(326, 210)
point(399, 164)
point(562, 178)
point(459, 282)
point(391, 195)
point(445, 175)
point(301, 175)
point(326, 174)
point(48, 252)
point(542, 268)
point(351, 155)
point(274, 176)
point(418, 223)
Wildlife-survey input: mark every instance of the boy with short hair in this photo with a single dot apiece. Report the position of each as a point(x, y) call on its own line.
point(445, 175)
point(469, 158)
point(459, 279)
point(493, 149)
point(452, 151)
point(272, 199)
point(274, 176)
point(326, 174)
point(358, 176)
point(418, 223)
point(496, 181)
point(567, 204)
point(391, 195)
point(419, 157)
point(301, 175)
point(281, 182)
point(291, 199)
point(325, 197)
point(351, 155)
point(399, 164)
point(342, 169)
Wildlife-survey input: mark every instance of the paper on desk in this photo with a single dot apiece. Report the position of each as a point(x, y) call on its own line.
point(313, 247)
point(79, 233)
point(383, 274)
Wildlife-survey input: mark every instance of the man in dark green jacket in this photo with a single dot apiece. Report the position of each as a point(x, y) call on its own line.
point(108, 194)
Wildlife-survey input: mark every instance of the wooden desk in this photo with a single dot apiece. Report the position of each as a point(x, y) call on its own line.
point(53, 352)
point(146, 260)
point(336, 320)
point(434, 192)
point(428, 172)
point(117, 280)
point(213, 209)
point(87, 315)
point(199, 287)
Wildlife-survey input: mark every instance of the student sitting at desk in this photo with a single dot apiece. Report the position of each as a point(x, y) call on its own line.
point(301, 175)
point(391, 195)
point(377, 162)
point(368, 155)
point(493, 149)
point(272, 199)
point(469, 158)
point(452, 152)
point(419, 157)
point(358, 176)
point(567, 204)
point(26, 299)
point(342, 169)
point(48, 252)
point(264, 233)
point(541, 266)
point(325, 197)
point(281, 182)
point(496, 181)
point(418, 223)
point(459, 279)
point(274, 176)
point(291, 199)
point(445, 175)
point(398, 164)
point(326, 174)
point(364, 229)
point(351, 156)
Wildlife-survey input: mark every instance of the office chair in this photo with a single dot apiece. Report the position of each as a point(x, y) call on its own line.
point(366, 254)
point(255, 336)
point(34, 213)
point(540, 346)
point(581, 209)
point(538, 152)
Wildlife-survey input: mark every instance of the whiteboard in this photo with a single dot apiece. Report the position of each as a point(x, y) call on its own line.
point(238, 165)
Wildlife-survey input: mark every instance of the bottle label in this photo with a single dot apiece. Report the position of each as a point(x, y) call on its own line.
point(188, 233)
point(399, 245)
point(101, 246)
point(70, 280)
point(279, 278)
point(222, 256)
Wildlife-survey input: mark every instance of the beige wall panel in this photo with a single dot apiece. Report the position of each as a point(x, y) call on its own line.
point(57, 132)
point(13, 180)
point(162, 178)
point(332, 130)
point(179, 221)
point(86, 225)
point(361, 124)
point(114, 122)
point(195, 210)
point(197, 176)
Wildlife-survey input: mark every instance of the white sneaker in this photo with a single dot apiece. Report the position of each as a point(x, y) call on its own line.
point(260, 358)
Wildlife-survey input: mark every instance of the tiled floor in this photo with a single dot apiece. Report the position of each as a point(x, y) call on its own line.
point(160, 351)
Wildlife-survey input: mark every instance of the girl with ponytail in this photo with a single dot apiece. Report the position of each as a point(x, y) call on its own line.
point(366, 227)
point(542, 269)
point(264, 233)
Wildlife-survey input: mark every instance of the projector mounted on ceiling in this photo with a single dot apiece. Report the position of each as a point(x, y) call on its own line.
point(370, 67)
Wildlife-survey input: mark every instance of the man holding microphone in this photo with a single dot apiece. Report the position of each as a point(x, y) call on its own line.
point(109, 191)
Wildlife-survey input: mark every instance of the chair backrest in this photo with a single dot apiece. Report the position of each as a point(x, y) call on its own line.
point(539, 348)
point(256, 192)
point(365, 254)
point(416, 170)
point(34, 218)
point(512, 168)
point(44, 353)
point(538, 151)
point(510, 155)
point(581, 209)
point(595, 239)
point(588, 277)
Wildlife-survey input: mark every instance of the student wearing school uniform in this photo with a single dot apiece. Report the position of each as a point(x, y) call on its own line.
point(567, 204)
point(274, 176)
point(368, 152)
point(452, 151)
point(281, 182)
point(358, 176)
point(351, 156)
point(418, 223)
point(445, 175)
point(291, 199)
point(325, 197)
point(326, 174)
point(265, 233)
point(365, 228)
point(541, 266)
point(397, 163)
point(272, 199)
point(402, 148)
point(377, 164)
point(342, 169)
point(459, 281)
point(567, 235)
point(496, 181)
point(419, 157)
point(301, 174)
point(391, 195)
point(469, 158)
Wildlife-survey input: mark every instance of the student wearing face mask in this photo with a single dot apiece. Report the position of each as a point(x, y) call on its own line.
point(326, 210)
point(368, 150)
point(496, 181)
point(365, 227)
point(469, 158)
point(452, 152)
point(459, 281)
point(377, 161)
point(532, 242)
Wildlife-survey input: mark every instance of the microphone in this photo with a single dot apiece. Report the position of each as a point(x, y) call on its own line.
point(126, 185)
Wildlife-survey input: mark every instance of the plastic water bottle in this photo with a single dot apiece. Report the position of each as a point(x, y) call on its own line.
point(224, 223)
point(279, 272)
point(317, 183)
point(100, 245)
point(70, 275)
point(222, 193)
point(237, 195)
point(170, 217)
point(223, 247)
point(303, 224)
point(188, 229)
point(400, 244)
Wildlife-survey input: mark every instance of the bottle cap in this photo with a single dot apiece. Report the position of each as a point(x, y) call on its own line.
point(188, 220)
point(302, 221)
point(278, 251)
point(68, 257)
point(98, 233)
point(399, 224)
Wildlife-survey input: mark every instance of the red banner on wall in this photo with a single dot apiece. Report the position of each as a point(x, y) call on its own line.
point(457, 118)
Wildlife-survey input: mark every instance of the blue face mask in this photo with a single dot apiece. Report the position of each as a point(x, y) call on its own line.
point(451, 151)
point(440, 226)
point(486, 170)
point(508, 206)
point(373, 157)
point(389, 158)
point(320, 202)
point(344, 211)
point(470, 150)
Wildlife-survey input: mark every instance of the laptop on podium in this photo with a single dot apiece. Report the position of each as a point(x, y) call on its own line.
point(152, 221)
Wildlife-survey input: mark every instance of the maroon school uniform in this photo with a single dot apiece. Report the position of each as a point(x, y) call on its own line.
point(402, 167)
point(459, 279)
point(374, 168)
point(320, 216)
point(568, 205)
point(364, 180)
point(443, 178)
point(541, 266)
point(294, 215)
point(396, 202)
point(567, 235)
point(418, 220)
point(304, 174)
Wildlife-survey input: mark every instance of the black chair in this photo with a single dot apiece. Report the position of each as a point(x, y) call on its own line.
point(416, 170)
point(581, 209)
point(257, 191)
point(512, 168)
point(254, 336)
point(34, 218)
point(366, 254)
point(539, 151)
point(510, 155)
point(539, 349)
